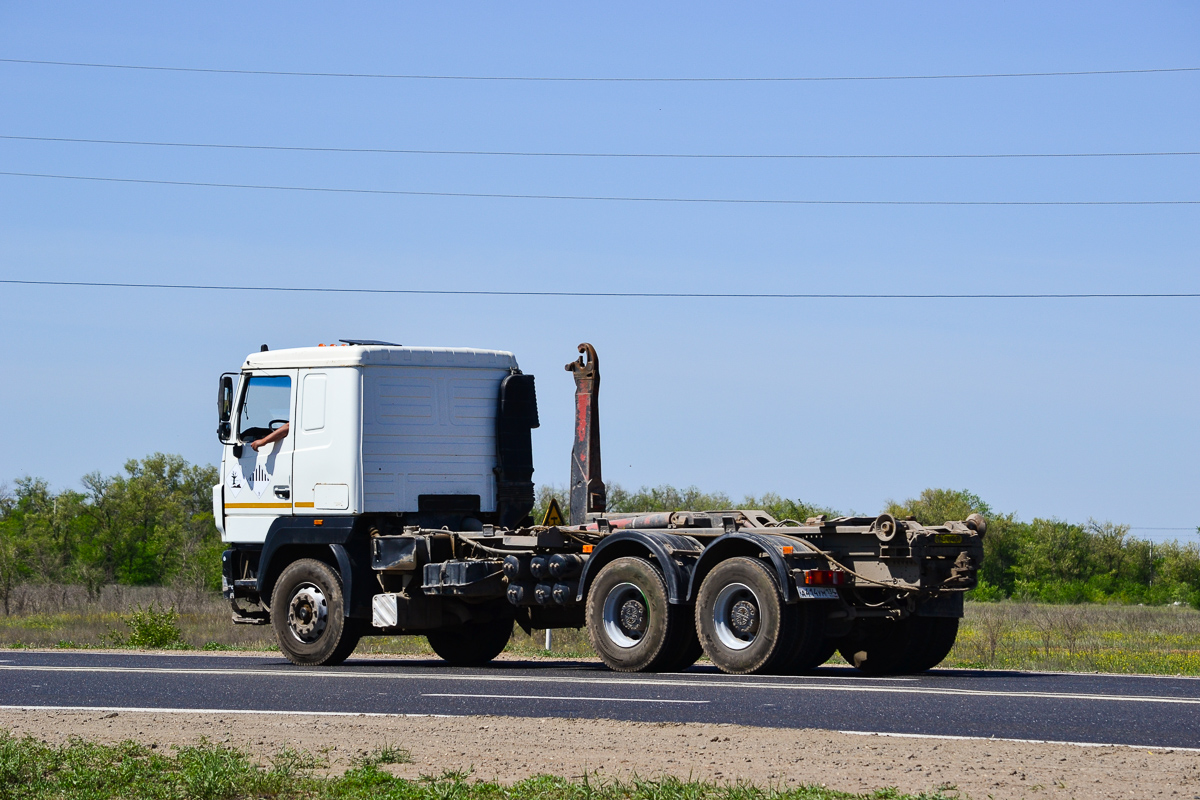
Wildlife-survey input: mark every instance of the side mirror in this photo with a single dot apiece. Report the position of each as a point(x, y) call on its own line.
point(225, 408)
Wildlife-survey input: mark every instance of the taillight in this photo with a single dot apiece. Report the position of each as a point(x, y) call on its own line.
point(824, 577)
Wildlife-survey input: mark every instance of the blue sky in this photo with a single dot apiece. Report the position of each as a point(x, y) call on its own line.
point(1073, 408)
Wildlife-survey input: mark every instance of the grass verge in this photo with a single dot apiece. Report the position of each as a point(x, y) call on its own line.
point(31, 769)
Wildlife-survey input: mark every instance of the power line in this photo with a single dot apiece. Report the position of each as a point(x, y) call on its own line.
point(679, 295)
point(563, 154)
point(561, 79)
point(608, 198)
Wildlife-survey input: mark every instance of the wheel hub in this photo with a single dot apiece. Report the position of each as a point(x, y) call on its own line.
point(743, 618)
point(308, 613)
point(736, 616)
point(626, 615)
point(633, 616)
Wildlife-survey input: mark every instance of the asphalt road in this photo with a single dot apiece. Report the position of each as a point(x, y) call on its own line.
point(1108, 709)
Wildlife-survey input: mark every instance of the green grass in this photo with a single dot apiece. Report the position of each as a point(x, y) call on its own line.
point(1154, 640)
point(80, 770)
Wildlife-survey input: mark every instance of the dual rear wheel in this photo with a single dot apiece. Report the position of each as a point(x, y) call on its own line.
point(739, 620)
point(890, 647)
point(745, 626)
point(632, 624)
point(742, 623)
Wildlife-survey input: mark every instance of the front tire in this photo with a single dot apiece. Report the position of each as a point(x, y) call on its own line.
point(473, 644)
point(308, 615)
point(631, 622)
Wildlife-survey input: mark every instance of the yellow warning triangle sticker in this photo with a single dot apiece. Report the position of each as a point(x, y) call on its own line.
point(553, 514)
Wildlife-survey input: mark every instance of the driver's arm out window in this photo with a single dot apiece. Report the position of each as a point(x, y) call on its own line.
point(268, 399)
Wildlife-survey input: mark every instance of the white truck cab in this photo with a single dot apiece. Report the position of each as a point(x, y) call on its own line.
point(372, 428)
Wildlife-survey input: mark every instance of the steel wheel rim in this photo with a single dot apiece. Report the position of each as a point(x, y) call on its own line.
point(616, 628)
point(729, 621)
point(308, 613)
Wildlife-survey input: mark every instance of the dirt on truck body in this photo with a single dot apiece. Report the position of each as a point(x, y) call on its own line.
point(374, 489)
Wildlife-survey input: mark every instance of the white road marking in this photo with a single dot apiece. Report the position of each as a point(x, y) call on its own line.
point(137, 710)
point(608, 681)
point(1022, 741)
point(546, 697)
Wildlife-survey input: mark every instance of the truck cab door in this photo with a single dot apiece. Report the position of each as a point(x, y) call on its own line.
point(257, 485)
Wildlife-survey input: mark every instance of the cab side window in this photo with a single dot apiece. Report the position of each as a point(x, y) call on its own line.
point(266, 406)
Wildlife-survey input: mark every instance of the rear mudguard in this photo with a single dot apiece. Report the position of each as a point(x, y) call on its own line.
point(674, 555)
point(754, 545)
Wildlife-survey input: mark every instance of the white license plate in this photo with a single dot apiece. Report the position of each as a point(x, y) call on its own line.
point(816, 593)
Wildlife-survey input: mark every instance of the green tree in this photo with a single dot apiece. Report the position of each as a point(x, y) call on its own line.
point(936, 506)
point(782, 508)
point(146, 521)
point(664, 498)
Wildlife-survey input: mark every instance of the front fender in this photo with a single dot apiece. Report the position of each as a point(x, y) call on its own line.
point(333, 541)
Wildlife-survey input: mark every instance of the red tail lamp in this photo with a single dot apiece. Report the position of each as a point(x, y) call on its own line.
point(824, 577)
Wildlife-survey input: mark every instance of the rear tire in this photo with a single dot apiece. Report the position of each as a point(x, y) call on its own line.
point(473, 644)
point(811, 648)
point(686, 647)
point(893, 647)
point(630, 621)
point(308, 615)
point(741, 619)
point(939, 636)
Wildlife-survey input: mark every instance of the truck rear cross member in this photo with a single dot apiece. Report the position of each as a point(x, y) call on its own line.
point(396, 501)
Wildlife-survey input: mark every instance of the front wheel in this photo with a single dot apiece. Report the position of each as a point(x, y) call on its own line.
point(631, 622)
point(473, 644)
point(308, 615)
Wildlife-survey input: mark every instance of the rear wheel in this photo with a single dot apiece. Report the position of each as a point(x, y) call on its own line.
point(686, 647)
point(938, 640)
point(889, 647)
point(630, 621)
point(472, 644)
point(743, 624)
point(308, 615)
point(811, 647)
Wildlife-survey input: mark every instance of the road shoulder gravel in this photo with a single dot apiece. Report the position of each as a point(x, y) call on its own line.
point(510, 748)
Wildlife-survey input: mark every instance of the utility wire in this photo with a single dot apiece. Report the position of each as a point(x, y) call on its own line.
point(390, 151)
point(553, 79)
point(610, 198)
point(688, 295)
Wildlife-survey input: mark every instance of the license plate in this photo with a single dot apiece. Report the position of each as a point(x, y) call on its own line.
point(816, 593)
point(948, 538)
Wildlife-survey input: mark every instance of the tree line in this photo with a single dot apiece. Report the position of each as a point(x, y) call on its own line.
point(152, 524)
point(149, 525)
point(1045, 560)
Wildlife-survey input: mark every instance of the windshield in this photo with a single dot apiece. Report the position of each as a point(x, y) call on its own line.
point(268, 399)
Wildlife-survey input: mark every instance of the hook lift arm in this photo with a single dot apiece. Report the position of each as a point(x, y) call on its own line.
point(587, 485)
